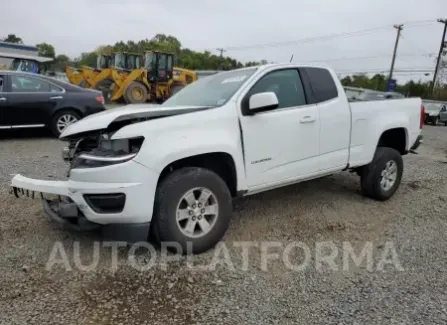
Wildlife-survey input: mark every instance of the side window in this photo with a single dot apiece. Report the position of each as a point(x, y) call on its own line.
point(2, 83)
point(25, 84)
point(444, 109)
point(55, 89)
point(323, 84)
point(287, 86)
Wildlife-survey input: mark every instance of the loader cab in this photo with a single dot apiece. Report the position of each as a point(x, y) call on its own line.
point(119, 61)
point(134, 61)
point(103, 62)
point(159, 66)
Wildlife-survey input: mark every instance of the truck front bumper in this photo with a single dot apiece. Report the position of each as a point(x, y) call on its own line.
point(118, 199)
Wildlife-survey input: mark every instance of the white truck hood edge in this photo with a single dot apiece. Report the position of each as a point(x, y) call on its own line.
point(102, 120)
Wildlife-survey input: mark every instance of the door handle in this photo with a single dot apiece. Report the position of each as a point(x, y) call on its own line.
point(307, 119)
point(56, 97)
point(2, 99)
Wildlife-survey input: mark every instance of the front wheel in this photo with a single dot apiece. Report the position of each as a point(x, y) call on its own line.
point(193, 208)
point(62, 120)
point(381, 178)
point(135, 93)
point(435, 121)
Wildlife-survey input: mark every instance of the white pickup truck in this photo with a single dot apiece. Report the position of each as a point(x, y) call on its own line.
point(169, 172)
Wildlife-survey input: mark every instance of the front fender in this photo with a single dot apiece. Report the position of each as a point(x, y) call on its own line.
point(164, 147)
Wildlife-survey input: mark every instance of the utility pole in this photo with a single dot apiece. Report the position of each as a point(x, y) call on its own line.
point(441, 48)
point(399, 29)
point(221, 50)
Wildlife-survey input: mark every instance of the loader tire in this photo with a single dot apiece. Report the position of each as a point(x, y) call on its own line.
point(135, 93)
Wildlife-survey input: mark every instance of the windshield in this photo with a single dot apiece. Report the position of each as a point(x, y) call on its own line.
point(120, 61)
point(214, 90)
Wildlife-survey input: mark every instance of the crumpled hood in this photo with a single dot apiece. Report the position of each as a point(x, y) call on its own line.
point(102, 120)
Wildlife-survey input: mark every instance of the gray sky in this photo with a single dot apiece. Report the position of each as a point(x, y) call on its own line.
point(75, 26)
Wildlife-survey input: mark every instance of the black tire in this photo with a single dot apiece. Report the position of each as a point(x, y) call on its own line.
point(435, 121)
point(445, 123)
point(105, 87)
point(132, 89)
point(57, 116)
point(169, 193)
point(371, 174)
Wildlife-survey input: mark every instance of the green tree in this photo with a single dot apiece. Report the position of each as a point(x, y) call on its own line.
point(88, 59)
point(47, 50)
point(60, 62)
point(12, 38)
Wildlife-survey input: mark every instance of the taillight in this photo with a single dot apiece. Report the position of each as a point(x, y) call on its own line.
point(422, 117)
point(100, 99)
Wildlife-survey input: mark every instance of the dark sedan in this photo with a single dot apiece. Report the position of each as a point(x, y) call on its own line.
point(34, 101)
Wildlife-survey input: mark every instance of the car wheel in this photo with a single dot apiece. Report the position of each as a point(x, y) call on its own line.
point(62, 120)
point(445, 123)
point(193, 208)
point(435, 121)
point(381, 178)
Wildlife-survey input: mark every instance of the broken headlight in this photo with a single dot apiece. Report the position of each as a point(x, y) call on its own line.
point(108, 152)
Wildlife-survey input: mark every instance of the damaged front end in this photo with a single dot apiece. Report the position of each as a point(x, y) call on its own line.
point(98, 150)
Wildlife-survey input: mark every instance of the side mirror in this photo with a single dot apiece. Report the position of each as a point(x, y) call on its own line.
point(263, 102)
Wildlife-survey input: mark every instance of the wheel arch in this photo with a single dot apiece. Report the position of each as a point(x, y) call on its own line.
point(222, 163)
point(396, 138)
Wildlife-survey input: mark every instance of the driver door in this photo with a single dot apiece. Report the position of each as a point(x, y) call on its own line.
point(283, 143)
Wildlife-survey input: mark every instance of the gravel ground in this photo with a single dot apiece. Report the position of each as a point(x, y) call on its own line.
point(331, 209)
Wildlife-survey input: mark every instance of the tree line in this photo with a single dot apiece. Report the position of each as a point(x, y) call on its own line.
point(411, 88)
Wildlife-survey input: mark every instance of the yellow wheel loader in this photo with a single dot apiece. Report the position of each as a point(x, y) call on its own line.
point(154, 82)
point(88, 77)
point(75, 76)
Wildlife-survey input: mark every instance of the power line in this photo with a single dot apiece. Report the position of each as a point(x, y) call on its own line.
point(307, 40)
point(415, 46)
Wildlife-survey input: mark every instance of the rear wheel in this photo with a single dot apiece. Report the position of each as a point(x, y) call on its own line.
point(381, 178)
point(193, 205)
point(135, 93)
point(62, 120)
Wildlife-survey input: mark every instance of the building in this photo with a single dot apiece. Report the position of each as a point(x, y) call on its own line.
point(15, 49)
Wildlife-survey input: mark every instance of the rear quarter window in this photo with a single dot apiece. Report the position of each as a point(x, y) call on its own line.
point(323, 85)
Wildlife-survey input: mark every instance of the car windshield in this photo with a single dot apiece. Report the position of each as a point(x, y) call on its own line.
point(214, 90)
